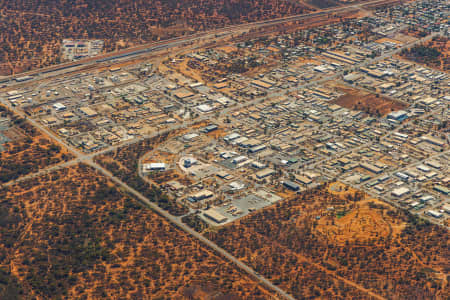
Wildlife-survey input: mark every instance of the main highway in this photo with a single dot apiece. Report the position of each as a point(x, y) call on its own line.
point(88, 159)
point(83, 157)
point(145, 49)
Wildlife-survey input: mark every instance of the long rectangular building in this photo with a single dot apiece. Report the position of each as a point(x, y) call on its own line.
point(371, 168)
point(215, 216)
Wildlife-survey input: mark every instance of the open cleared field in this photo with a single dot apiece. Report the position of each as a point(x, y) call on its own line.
point(85, 239)
point(336, 243)
point(372, 104)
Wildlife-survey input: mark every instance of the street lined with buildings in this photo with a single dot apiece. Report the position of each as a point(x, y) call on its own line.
point(256, 122)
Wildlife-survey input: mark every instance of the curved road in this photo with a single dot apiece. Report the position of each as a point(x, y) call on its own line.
point(87, 158)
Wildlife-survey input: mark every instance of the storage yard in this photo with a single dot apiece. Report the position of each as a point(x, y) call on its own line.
point(279, 115)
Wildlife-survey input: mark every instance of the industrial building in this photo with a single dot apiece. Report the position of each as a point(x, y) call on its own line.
point(215, 216)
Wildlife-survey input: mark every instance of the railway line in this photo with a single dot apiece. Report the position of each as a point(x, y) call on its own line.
point(141, 51)
point(144, 49)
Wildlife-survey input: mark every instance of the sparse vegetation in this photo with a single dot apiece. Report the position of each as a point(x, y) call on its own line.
point(372, 250)
point(195, 222)
point(372, 104)
point(83, 238)
point(32, 31)
point(28, 152)
point(123, 163)
point(435, 53)
point(9, 287)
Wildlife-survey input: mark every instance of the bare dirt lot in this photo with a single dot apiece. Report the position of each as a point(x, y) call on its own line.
point(370, 103)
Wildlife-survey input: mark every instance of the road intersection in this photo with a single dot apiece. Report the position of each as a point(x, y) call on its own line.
point(88, 158)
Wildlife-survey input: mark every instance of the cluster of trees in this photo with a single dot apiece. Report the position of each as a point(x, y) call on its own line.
point(243, 65)
point(323, 3)
point(29, 154)
point(422, 53)
point(127, 171)
point(9, 286)
point(399, 266)
point(31, 31)
point(89, 240)
point(194, 221)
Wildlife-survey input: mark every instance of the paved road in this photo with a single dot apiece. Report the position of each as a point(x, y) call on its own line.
point(174, 42)
point(88, 159)
point(393, 202)
point(80, 157)
point(178, 223)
